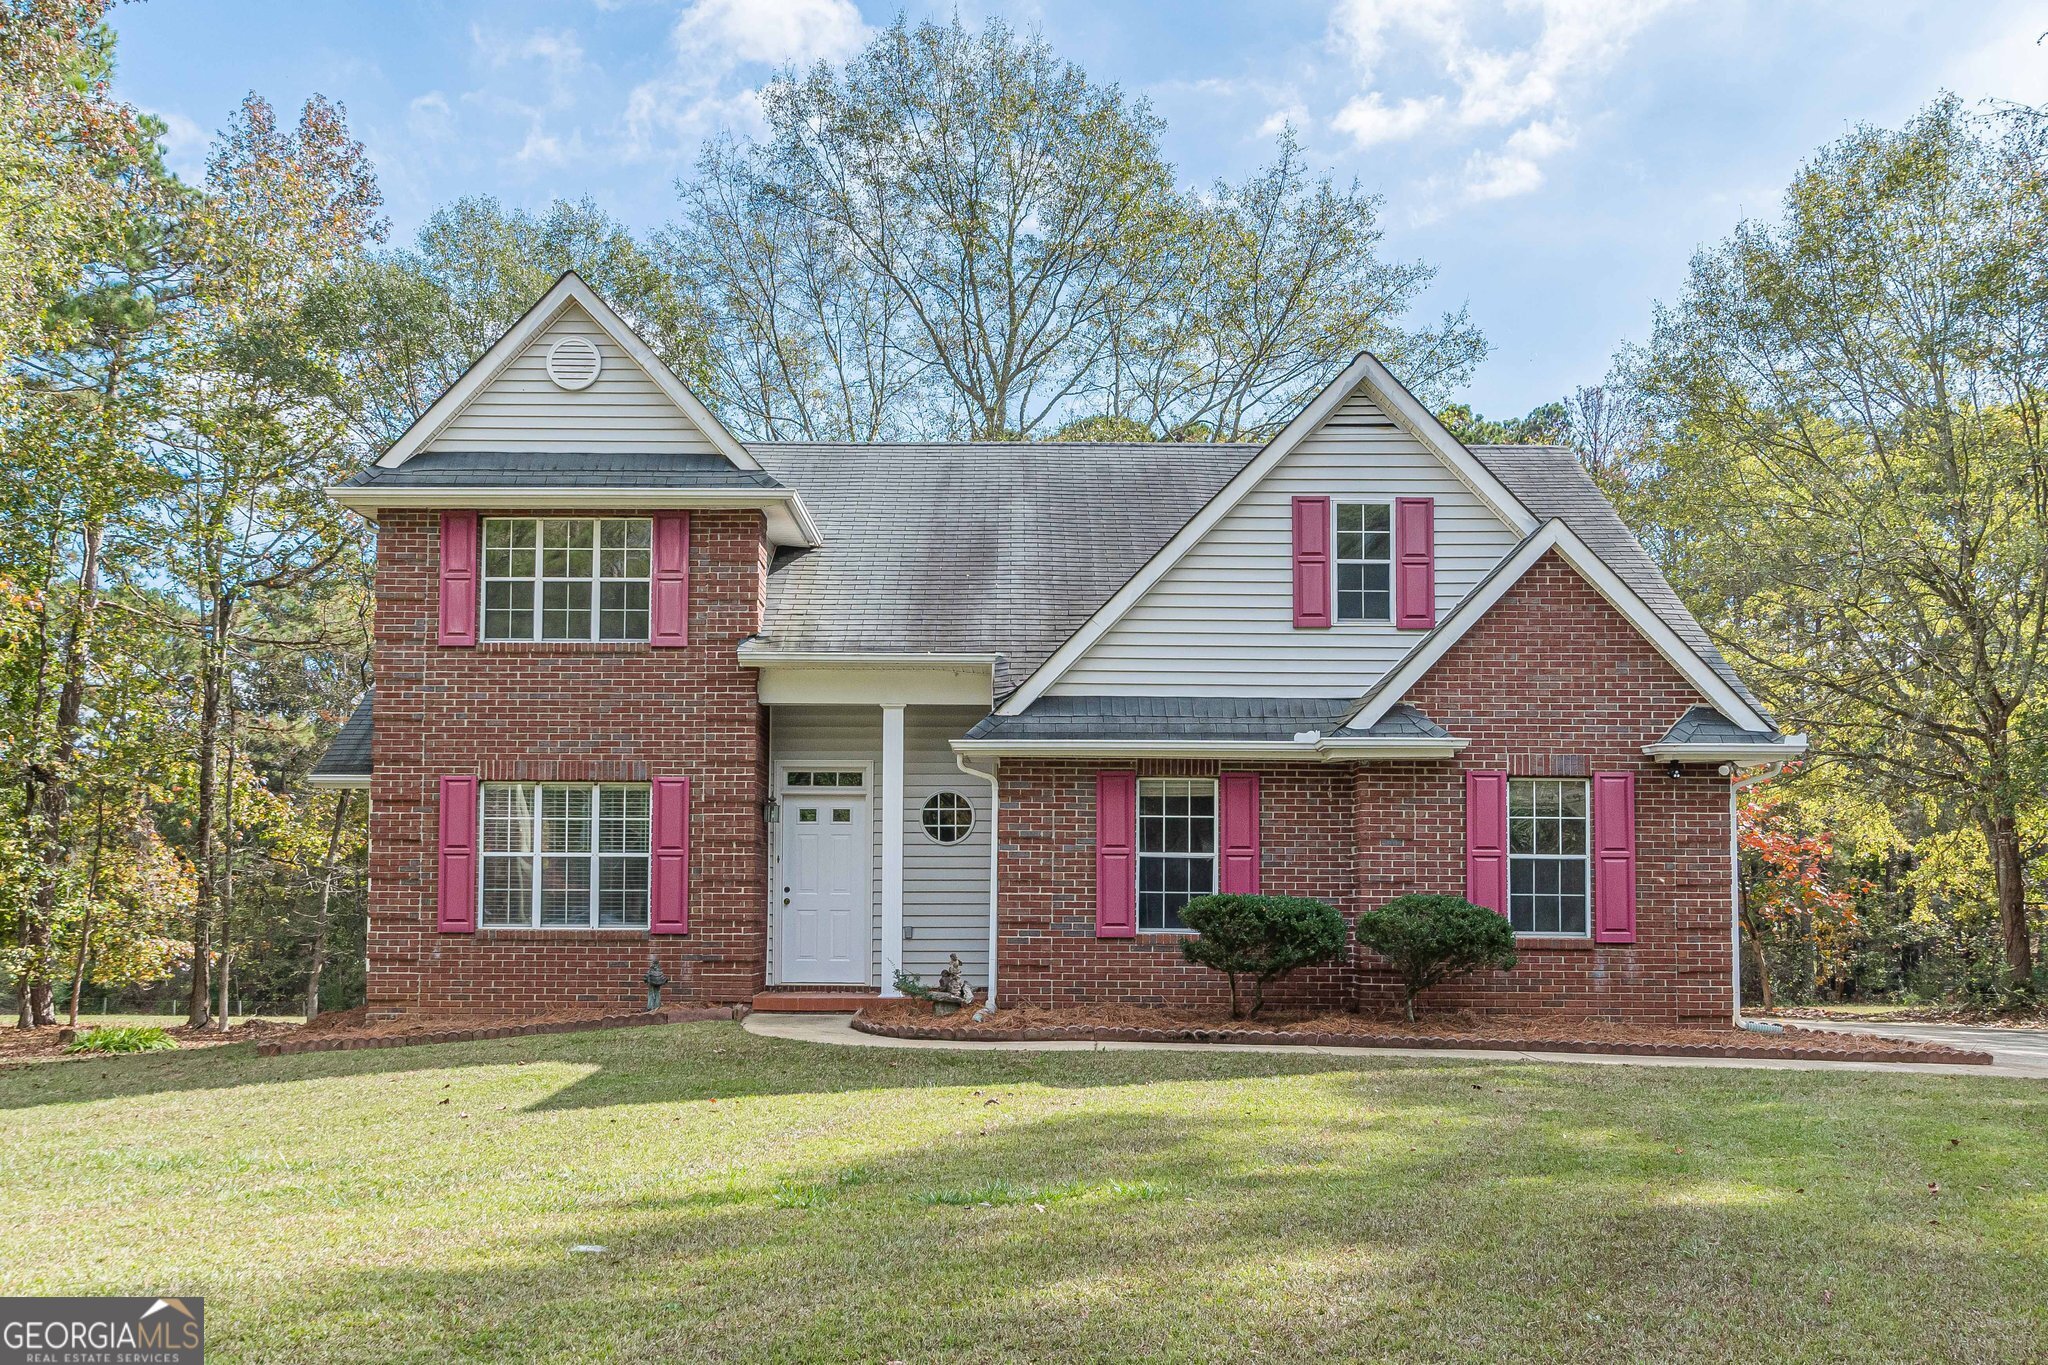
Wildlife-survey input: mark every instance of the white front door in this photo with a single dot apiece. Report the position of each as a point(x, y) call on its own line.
point(825, 873)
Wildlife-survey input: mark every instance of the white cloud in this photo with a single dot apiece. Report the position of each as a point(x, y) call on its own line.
point(184, 144)
point(1482, 66)
point(713, 40)
point(428, 117)
point(1370, 119)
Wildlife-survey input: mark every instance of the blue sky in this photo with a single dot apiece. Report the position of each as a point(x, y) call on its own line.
point(1556, 160)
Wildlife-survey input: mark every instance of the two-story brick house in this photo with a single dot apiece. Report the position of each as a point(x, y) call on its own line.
point(800, 716)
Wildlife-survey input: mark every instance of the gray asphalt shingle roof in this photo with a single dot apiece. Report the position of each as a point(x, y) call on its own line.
point(976, 548)
point(349, 753)
point(1551, 482)
point(559, 469)
point(1268, 720)
point(1705, 725)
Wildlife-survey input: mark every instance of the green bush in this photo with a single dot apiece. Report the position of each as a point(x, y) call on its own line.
point(1262, 937)
point(122, 1038)
point(1432, 939)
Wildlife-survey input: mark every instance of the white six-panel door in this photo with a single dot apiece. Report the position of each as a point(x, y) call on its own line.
point(824, 890)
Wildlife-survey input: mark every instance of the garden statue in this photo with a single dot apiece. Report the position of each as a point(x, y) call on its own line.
point(953, 989)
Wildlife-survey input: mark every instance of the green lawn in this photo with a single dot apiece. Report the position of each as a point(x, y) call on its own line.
point(759, 1199)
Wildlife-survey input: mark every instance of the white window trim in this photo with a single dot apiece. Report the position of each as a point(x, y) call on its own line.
point(1585, 860)
point(973, 818)
point(1139, 855)
point(1393, 558)
point(595, 581)
point(533, 889)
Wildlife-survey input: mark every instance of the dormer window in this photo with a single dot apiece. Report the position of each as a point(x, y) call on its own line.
point(1365, 561)
point(566, 578)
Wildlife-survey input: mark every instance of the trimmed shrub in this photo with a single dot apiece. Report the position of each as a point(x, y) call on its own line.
point(1433, 939)
point(123, 1038)
point(1262, 937)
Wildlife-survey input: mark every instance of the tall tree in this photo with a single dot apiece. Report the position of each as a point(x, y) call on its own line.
point(1848, 468)
point(252, 436)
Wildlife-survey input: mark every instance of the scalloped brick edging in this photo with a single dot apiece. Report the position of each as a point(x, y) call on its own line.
point(1926, 1053)
point(346, 1043)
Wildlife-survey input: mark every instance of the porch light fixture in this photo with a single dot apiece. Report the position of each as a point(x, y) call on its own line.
point(1674, 770)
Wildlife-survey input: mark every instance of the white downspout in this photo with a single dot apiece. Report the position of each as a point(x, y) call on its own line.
point(1735, 789)
point(994, 850)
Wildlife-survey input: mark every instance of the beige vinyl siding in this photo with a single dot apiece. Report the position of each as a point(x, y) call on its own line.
point(521, 409)
point(1221, 621)
point(945, 887)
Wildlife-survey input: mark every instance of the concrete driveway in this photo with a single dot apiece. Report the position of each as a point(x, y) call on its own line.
point(2017, 1051)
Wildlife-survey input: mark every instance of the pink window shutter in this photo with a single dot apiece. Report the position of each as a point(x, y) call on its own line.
point(1116, 855)
point(669, 610)
point(668, 883)
point(1238, 795)
point(1486, 840)
point(1415, 563)
point(458, 578)
point(1311, 562)
point(1614, 857)
point(457, 887)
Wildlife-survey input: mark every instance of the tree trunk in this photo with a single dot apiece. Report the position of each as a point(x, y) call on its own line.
point(2008, 872)
point(92, 891)
point(227, 881)
point(326, 897)
point(213, 667)
point(55, 796)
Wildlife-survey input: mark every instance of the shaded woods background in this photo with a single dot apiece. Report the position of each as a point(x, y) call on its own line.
point(1832, 441)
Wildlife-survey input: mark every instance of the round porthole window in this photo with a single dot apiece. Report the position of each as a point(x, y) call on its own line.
point(574, 363)
point(948, 818)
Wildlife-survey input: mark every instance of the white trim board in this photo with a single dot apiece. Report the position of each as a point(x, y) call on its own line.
point(1554, 535)
point(570, 288)
point(1364, 373)
point(789, 521)
point(1320, 750)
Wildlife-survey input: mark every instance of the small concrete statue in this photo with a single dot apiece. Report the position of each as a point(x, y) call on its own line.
point(953, 990)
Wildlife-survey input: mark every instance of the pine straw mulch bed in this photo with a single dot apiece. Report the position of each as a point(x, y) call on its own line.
point(1106, 1024)
point(350, 1030)
point(23, 1047)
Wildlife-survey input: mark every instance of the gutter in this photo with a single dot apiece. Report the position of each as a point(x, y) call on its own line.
point(366, 499)
point(1779, 752)
point(1305, 750)
point(1740, 781)
point(988, 1006)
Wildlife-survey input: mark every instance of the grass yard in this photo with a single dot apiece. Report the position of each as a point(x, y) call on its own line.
point(759, 1199)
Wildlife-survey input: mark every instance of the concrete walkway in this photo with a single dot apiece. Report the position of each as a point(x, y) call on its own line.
point(2018, 1051)
point(838, 1029)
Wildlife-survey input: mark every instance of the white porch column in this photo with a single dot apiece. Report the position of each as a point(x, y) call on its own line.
point(892, 846)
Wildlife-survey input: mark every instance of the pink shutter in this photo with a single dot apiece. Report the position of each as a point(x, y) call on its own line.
point(1311, 562)
point(1238, 795)
point(1116, 855)
point(458, 856)
point(1486, 840)
point(669, 611)
point(1614, 857)
point(1415, 563)
point(668, 882)
point(458, 578)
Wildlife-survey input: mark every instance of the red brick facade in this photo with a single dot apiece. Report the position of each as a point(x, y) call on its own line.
point(1555, 682)
point(567, 712)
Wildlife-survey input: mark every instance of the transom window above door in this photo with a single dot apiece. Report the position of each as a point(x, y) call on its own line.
point(1365, 561)
point(566, 578)
point(824, 777)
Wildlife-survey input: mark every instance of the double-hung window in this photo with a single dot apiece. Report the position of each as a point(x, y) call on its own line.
point(1176, 848)
point(1365, 561)
point(566, 578)
point(1547, 862)
point(564, 856)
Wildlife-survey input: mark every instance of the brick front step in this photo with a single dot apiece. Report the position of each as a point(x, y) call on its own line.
point(814, 999)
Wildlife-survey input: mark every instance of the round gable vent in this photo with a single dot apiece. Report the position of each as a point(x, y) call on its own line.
point(574, 363)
